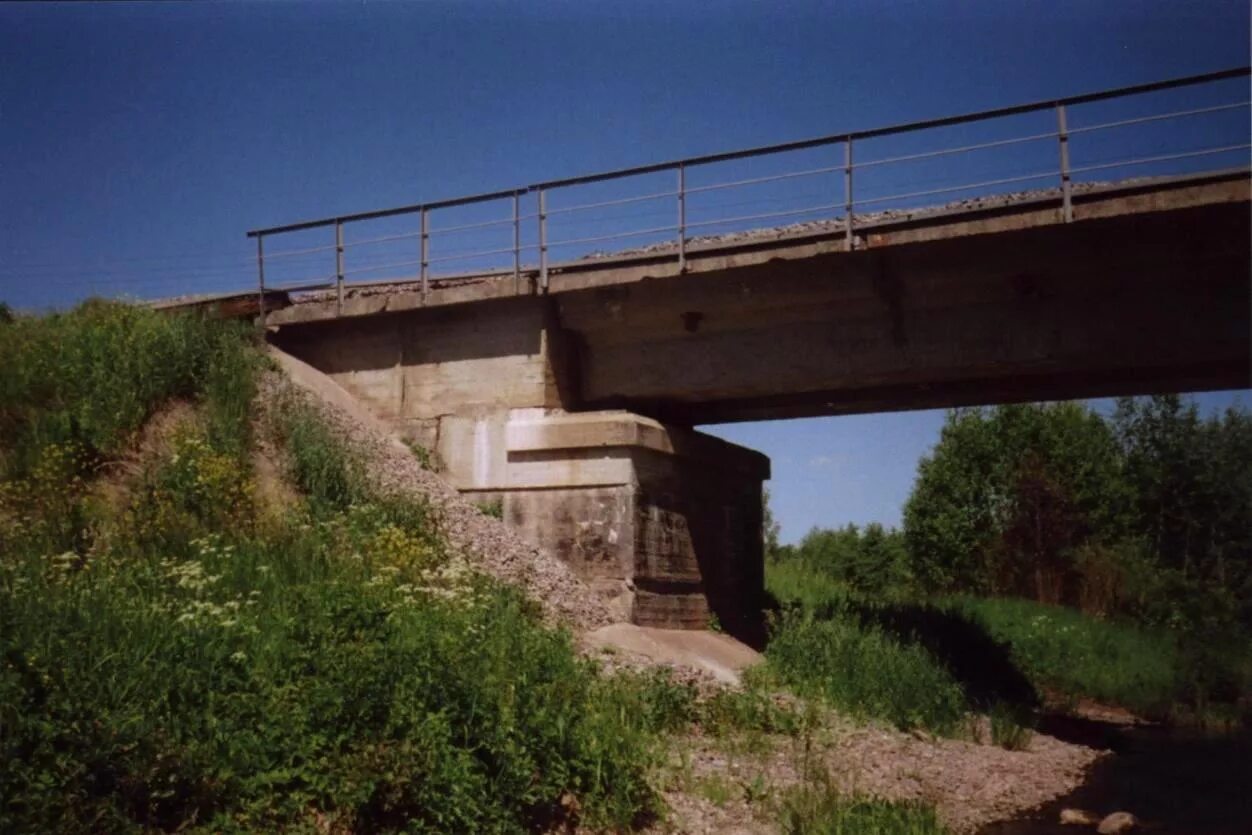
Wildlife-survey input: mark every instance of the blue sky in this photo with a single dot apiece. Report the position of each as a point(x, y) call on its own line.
point(139, 142)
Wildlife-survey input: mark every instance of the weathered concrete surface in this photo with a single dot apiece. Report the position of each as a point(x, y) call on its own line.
point(664, 523)
point(412, 369)
point(721, 656)
point(1121, 305)
point(984, 215)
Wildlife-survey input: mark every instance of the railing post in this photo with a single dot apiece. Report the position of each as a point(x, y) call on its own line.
point(425, 222)
point(517, 243)
point(847, 193)
point(339, 265)
point(682, 218)
point(260, 272)
point(543, 241)
point(1067, 206)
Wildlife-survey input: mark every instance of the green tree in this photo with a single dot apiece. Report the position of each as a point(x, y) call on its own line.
point(872, 560)
point(952, 515)
point(1009, 494)
point(1191, 481)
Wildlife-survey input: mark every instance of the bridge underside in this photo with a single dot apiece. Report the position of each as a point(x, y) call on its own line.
point(1126, 305)
point(1144, 293)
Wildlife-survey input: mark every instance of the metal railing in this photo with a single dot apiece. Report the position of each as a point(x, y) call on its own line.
point(525, 242)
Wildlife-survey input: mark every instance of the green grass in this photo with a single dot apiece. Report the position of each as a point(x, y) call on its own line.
point(175, 660)
point(865, 672)
point(330, 474)
point(1080, 656)
point(816, 808)
point(823, 647)
point(751, 708)
point(91, 377)
point(1010, 727)
point(925, 663)
point(793, 582)
point(1177, 676)
point(256, 685)
point(493, 508)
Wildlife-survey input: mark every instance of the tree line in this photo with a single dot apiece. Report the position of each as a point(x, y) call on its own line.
point(1145, 513)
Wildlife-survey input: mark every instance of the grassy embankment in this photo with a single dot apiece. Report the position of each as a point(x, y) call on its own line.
point(929, 663)
point(1155, 673)
point(177, 654)
point(186, 647)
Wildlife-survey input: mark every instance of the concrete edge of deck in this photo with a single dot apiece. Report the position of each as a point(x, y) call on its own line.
point(1114, 200)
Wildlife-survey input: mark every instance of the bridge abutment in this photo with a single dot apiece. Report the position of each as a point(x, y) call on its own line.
point(663, 522)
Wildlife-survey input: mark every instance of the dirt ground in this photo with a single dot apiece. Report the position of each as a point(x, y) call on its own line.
point(731, 786)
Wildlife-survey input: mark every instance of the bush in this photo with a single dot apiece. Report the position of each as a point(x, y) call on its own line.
point(870, 560)
point(91, 377)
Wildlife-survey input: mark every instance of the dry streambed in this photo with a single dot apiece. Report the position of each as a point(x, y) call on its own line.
point(722, 786)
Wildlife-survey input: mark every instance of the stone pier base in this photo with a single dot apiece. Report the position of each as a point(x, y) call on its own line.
point(663, 522)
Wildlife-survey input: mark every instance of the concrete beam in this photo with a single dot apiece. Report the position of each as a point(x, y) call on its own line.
point(1116, 305)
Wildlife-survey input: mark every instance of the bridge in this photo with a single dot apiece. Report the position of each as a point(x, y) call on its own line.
point(565, 384)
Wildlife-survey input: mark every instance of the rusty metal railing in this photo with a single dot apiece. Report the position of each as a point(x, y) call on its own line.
point(524, 244)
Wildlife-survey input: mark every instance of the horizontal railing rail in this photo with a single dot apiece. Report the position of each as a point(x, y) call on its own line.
point(531, 232)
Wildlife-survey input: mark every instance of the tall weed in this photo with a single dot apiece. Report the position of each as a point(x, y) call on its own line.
point(92, 376)
point(865, 672)
point(818, 808)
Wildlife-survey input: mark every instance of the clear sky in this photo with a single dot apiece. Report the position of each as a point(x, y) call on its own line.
point(139, 142)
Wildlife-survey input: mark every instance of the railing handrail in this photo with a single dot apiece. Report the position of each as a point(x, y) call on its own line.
point(382, 213)
point(761, 150)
